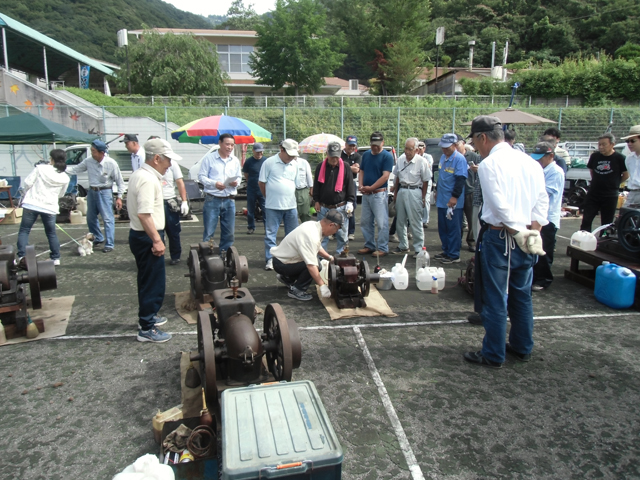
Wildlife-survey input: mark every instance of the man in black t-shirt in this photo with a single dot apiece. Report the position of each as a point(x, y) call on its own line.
point(608, 170)
point(352, 158)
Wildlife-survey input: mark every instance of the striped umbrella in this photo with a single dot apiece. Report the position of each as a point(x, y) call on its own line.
point(318, 143)
point(208, 130)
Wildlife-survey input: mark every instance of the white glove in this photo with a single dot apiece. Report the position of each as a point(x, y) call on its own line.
point(184, 208)
point(529, 242)
point(331, 259)
point(325, 292)
point(349, 208)
point(449, 213)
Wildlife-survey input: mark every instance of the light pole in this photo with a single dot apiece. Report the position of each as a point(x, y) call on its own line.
point(123, 41)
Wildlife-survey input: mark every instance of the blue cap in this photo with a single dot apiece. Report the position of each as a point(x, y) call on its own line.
point(447, 140)
point(99, 145)
point(352, 140)
point(258, 147)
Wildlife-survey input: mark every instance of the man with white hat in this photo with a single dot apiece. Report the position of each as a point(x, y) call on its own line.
point(633, 167)
point(277, 183)
point(145, 205)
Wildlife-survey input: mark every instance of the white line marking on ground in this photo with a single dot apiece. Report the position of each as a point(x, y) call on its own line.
point(350, 327)
point(560, 236)
point(414, 468)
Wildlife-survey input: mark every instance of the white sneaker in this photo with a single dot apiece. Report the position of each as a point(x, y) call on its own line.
point(56, 262)
point(394, 238)
point(269, 265)
point(352, 237)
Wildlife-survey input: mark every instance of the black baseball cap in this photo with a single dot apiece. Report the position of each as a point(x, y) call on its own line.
point(129, 137)
point(484, 123)
point(541, 149)
point(376, 138)
point(335, 216)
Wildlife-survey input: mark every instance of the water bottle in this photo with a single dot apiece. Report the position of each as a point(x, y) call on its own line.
point(422, 260)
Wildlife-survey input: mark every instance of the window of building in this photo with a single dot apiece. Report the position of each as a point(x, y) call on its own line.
point(234, 58)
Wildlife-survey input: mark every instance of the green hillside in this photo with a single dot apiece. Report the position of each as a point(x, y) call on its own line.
point(90, 26)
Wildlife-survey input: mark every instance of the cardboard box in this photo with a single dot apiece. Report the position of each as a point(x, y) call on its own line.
point(12, 216)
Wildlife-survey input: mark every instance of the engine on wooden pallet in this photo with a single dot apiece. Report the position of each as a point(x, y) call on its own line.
point(350, 280)
point(230, 350)
point(40, 276)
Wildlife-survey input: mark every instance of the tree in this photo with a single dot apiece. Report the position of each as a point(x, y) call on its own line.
point(398, 70)
point(295, 48)
point(173, 65)
point(628, 51)
point(240, 17)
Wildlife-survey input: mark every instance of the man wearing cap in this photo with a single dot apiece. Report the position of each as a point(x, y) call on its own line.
point(450, 198)
point(251, 170)
point(515, 208)
point(277, 183)
point(375, 169)
point(554, 184)
point(633, 167)
point(608, 170)
point(352, 158)
point(220, 174)
point(560, 161)
point(304, 184)
point(296, 258)
point(334, 188)
point(133, 147)
point(146, 237)
point(560, 153)
point(173, 211)
point(103, 172)
point(412, 175)
point(422, 147)
point(473, 159)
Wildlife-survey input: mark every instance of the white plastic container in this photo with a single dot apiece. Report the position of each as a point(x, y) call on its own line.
point(82, 205)
point(75, 218)
point(424, 279)
point(422, 260)
point(439, 274)
point(400, 277)
point(584, 241)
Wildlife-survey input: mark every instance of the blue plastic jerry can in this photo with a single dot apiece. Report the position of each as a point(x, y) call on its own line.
point(615, 285)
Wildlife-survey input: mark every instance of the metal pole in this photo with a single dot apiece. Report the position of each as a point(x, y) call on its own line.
point(560, 119)
point(437, 61)
point(284, 120)
point(453, 127)
point(79, 76)
point(342, 120)
point(46, 70)
point(128, 71)
point(166, 124)
point(493, 55)
point(611, 117)
point(13, 160)
point(4, 47)
point(398, 148)
point(104, 124)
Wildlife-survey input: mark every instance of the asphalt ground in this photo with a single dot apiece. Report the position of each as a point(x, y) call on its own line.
point(401, 399)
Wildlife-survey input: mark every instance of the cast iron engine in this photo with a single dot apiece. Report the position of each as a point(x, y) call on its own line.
point(350, 280)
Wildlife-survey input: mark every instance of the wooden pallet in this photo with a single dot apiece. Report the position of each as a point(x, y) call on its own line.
point(587, 276)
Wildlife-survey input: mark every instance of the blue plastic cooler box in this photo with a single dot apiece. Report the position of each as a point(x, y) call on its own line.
point(279, 430)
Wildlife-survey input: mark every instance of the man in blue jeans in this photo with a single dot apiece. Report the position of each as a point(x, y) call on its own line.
point(450, 198)
point(514, 210)
point(146, 237)
point(375, 168)
point(277, 183)
point(103, 172)
point(251, 170)
point(220, 174)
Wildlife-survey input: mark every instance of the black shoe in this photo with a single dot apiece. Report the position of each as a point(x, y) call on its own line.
point(523, 357)
point(475, 319)
point(174, 261)
point(299, 294)
point(478, 359)
point(439, 256)
point(471, 248)
point(285, 280)
point(107, 249)
point(447, 260)
point(250, 231)
point(95, 244)
point(400, 251)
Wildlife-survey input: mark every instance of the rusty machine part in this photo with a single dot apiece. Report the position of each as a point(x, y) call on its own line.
point(350, 280)
point(209, 272)
point(230, 349)
point(40, 276)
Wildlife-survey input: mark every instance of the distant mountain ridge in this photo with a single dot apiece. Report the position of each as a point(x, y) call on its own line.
point(90, 26)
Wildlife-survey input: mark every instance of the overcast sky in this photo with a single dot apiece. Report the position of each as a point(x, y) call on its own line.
point(219, 7)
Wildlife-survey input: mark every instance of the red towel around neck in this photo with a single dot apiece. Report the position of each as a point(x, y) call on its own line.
point(339, 180)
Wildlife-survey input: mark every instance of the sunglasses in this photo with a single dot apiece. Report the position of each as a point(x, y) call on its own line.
point(631, 140)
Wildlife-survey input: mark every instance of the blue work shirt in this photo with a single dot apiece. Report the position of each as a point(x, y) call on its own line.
point(252, 168)
point(455, 165)
point(554, 184)
point(373, 166)
point(214, 169)
point(280, 183)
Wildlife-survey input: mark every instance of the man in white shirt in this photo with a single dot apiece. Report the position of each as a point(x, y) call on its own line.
point(514, 210)
point(220, 174)
point(633, 167)
point(422, 147)
point(296, 258)
point(277, 182)
point(146, 237)
point(133, 147)
point(412, 175)
point(304, 188)
point(173, 211)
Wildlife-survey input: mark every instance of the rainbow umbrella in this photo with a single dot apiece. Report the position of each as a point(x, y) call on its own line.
point(318, 143)
point(208, 130)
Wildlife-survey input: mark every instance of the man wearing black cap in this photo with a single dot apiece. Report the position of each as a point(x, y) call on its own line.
point(514, 210)
point(103, 172)
point(296, 258)
point(554, 183)
point(375, 169)
point(133, 147)
point(352, 158)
